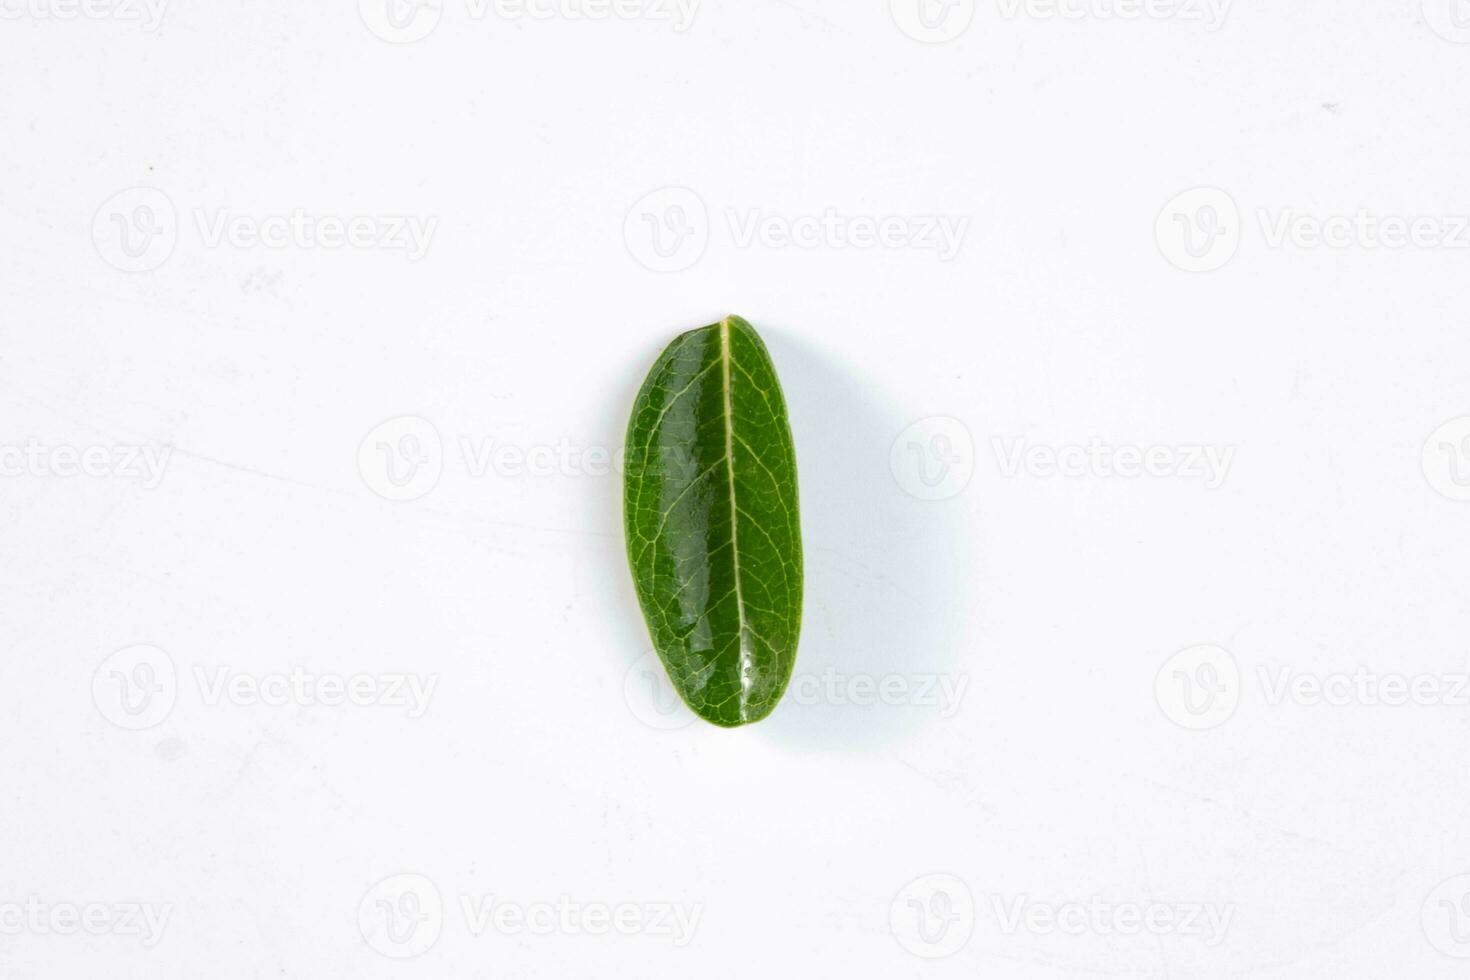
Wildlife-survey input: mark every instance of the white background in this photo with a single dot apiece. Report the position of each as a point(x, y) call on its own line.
point(1077, 766)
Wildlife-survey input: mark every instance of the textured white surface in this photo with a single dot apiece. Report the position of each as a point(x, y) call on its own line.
point(1092, 688)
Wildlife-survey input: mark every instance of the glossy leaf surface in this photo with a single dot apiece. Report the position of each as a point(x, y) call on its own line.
point(710, 513)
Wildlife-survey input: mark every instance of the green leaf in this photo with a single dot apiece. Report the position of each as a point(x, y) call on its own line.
point(709, 507)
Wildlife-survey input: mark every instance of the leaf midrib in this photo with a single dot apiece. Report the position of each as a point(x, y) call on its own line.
point(746, 671)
